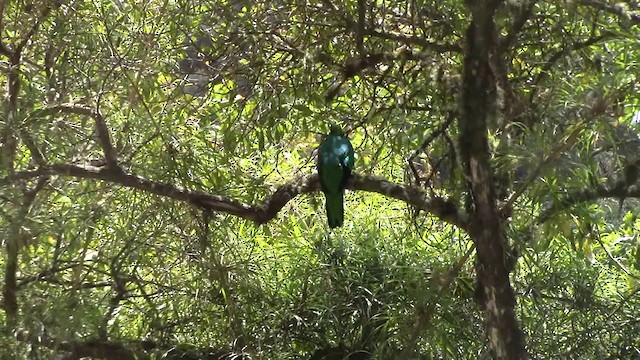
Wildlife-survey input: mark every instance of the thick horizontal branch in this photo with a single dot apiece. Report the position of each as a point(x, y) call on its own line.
point(619, 8)
point(579, 196)
point(123, 349)
point(94, 348)
point(442, 208)
point(261, 213)
point(45, 274)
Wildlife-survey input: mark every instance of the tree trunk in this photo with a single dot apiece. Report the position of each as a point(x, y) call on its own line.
point(495, 295)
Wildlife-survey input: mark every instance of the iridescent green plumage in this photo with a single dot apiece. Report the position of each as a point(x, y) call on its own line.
point(335, 163)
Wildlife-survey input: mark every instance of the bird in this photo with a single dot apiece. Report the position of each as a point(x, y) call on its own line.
point(336, 159)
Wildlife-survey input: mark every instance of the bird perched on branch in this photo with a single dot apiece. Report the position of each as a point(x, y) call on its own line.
point(335, 163)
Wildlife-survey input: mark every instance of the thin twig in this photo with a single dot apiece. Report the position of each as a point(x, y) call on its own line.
point(613, 259)
point(102, 129)
point(426, 314)
point(415, 40)
point(554, 155)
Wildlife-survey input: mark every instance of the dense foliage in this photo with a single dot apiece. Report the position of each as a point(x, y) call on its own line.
point(158, 197)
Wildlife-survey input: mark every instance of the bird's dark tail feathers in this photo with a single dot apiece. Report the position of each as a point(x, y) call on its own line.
point(335, 209)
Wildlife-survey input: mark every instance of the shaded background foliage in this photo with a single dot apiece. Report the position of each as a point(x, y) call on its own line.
point(230, 98)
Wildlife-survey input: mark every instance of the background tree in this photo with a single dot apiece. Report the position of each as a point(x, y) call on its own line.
point(159, 197)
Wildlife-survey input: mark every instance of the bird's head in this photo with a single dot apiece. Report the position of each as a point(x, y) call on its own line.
point(334, 129)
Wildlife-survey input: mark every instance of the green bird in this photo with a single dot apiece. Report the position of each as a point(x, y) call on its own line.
point(335, 163)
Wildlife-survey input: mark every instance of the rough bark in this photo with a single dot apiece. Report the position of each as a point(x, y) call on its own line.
point(495, 294)
point(440, 207)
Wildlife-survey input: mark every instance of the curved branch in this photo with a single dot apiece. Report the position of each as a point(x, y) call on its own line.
point(619, 9)
point(426, 311)
point(442, 208)
point(102, 129)
point(584, 195)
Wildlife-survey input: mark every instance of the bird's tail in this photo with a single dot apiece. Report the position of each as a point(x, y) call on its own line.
point(335, 209)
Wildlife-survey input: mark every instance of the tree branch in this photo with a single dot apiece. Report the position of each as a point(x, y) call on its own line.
point(426, 311)
point(10, 288)
point(524, 12)
point(567, 144)
point(618, 9)
point(442, 208)
point(435, 134)
point(102, 129)
point(416, 40)
point(578, 196)
point(36, 154)
point(124, 349)
point(4, 50)
point(360, 29)
point(45, 274)
point(544, 72)
point(45, 12)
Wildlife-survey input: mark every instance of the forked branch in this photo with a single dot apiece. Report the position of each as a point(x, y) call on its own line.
point(102, 130)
